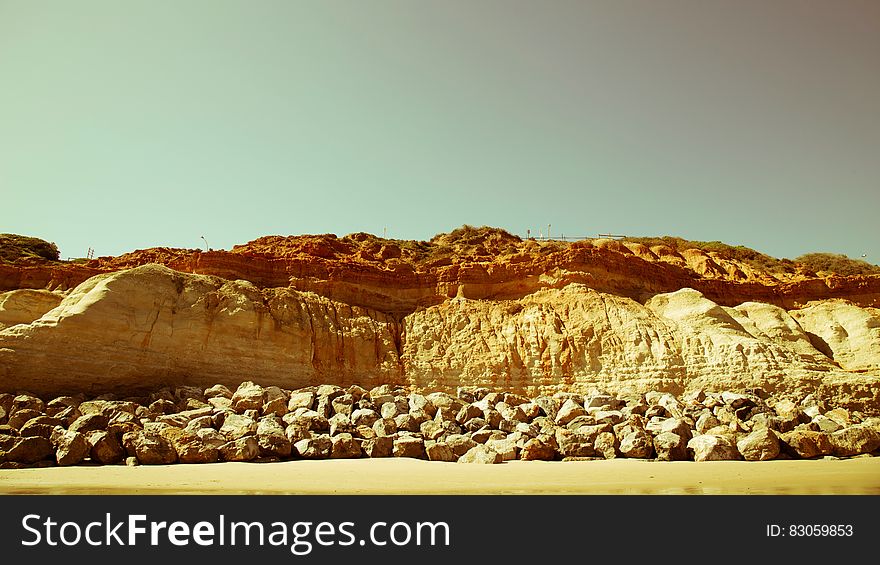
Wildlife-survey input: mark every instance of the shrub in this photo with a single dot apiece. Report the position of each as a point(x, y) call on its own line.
point(13, 247)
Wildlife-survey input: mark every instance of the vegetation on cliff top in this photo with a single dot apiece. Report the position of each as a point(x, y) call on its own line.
point(14, 247)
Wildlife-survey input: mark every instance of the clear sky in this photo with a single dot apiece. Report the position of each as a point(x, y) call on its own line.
point(131, 124)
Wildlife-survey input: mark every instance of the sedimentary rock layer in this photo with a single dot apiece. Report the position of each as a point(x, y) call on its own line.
point(150, 325)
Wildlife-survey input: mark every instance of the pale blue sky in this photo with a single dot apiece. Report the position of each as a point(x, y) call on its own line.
point(133, 124)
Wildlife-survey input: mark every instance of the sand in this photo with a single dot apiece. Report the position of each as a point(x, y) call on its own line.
point(409, 476)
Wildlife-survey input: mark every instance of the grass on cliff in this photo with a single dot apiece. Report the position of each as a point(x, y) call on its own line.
point(739, 253)
point(14, 247)
point(837, 264)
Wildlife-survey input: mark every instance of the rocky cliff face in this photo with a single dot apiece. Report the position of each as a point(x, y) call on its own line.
point(511, 328)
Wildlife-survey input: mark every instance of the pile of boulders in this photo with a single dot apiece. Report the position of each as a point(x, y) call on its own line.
point(476, 425)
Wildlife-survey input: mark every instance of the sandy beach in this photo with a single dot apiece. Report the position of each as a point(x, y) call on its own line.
point(410, 476)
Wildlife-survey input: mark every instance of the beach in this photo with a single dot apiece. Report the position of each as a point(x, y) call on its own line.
point(860, 475)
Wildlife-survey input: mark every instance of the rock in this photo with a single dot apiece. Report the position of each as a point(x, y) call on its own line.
point(854, 440)
point(211, 437)
point(310, 419)
point(27, 402)
point(406, 422)
point(572, 444)
point(606, 445)
point(150, 449)
point(636, 444)
point(480, 454)
point(275, 402)
point(468, 412)
point(131, 461)
point(670, 447)
point(218, 391)
point(70, 448)
point(104, 447)
point(189, 446)
point(318, 447)
point(242, 449)
point(538, 449)
point(608, 416)
point(29, 450)
point(460, 444)
point(713, 448)
point(420, 402)
point(90, 423)
point(301, 399)
point(385, 427)
point(340, 423)
point(271, 438)
point(379, 446)
point(431, 429)
point(548, 405)
point(344, 446)
point(21, 417)
point(825, 424)
point(409, 447)
point(671, 404)
point(568, 412)
point(439, 451)
point(506, 448)
point(236, 426)
point(706, 422)
point(364, 417)
point(760, 445)
point(248, 396)
point(39, 426)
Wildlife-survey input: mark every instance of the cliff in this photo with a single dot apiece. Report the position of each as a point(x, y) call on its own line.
point(490, 310)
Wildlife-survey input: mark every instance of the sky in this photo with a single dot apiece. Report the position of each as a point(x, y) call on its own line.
point(126, 125)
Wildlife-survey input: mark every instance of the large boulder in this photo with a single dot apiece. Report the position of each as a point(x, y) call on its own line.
point(271, 437)
point(760, 445)
point(708, 447)
point(439, 451)
point(344, 446)
point(409, 446)
point(480, 454)
point(149, 448)
point(29, 450)
point(248, 396)
point(189, 446)
point(806, 444)
point(670, 447)
point(70, 447)
point(104, 447)
point(317, 447)
point(242, 449)
point(854, 440)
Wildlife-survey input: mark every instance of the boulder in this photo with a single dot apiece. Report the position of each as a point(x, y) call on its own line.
point(275, 402)
point(439, 451)
point(760, 445)
point(301, 399)
point(236, 426)
point(70, 447)
point(568, 412)
point(460, 444)
point(248, 396)
point(854, 440)
point(573, 444)
point(271, 437)
point(670, 447)
point(606, 445)
point(636, 444)
point(242, 449)
point(364, 417)
point(708, 447)
point(90, 423)
point(480, 454)
point(344, 446)
point(379, 446)
point(29, 450)
point(541, 448)
point(317, 447)
point(806, 444)
point(409, 446)
point(218, 391)
point(104, 447)
point(149, 448)
point(189, 446)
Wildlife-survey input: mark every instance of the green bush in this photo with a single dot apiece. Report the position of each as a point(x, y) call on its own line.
point(13, 247)
point(838, 264)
